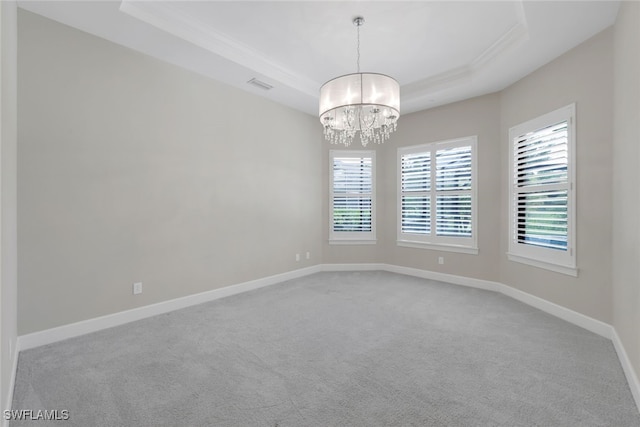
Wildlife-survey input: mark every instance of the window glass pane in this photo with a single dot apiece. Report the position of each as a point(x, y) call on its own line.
point(453, 215)
point(416, 214)
point(453, 168)
point(416, 172)
point(541, 157)
point(541, 219)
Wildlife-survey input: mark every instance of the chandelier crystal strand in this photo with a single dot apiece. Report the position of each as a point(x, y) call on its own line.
point(368, 103)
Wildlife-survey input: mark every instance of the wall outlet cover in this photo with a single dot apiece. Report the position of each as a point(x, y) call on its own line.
point(137, 288)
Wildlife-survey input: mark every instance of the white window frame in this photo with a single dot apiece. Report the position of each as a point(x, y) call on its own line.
point(547, 258)
point(356, 237)
point(467, 245)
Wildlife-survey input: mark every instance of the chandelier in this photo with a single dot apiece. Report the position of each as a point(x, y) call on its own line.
point(364, 102)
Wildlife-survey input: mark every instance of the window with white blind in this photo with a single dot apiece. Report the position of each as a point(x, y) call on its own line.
point(542, 193)
point(352, 187)
point(437, 195)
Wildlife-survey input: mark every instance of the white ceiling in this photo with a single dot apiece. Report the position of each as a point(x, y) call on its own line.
point(439, 51)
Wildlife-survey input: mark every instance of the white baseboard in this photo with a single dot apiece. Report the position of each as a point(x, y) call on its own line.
point(12, 381)
point(586, 322)
point(72, 330)
point(629, 372)
point(443, 277)
point(589, 323)
point(60, 333)
point(352, 267)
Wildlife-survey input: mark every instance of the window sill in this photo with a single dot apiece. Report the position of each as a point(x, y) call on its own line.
point(438, 247)
point(557, 268)
point(352, 242)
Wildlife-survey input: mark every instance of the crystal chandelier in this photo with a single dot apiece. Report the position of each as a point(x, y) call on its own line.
point(365, 102)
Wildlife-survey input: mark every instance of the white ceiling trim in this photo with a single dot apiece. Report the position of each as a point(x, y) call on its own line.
point(172, 20)
point(517, 34)
point(513, 37)
point(433, 84)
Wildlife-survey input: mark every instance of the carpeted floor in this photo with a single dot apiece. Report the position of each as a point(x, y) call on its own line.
point(335, 349)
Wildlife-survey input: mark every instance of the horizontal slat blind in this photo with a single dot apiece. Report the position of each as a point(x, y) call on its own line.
point(541, 187)
point(541, 157)
point(416, 186)
point(416, 214)
point(351, 213)
point(453, 169)
point(453, 195)
point(436, 184)
point(416, 172)
point(453, 215)
point(352, 175)
point(541, 219)
point(352, 194)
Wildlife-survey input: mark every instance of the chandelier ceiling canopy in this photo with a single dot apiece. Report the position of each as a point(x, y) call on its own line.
point(368, 103)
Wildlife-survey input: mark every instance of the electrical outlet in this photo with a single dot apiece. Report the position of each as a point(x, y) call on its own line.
point(297, 257)
point(308, 255)
point(137, 288)
point(440, 260)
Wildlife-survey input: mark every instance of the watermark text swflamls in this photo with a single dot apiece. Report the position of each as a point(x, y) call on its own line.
point(36, 415)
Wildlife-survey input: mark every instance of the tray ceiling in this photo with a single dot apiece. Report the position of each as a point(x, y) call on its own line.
point(439, 52)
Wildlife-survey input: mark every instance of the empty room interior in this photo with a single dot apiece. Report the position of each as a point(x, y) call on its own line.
point(367, 213)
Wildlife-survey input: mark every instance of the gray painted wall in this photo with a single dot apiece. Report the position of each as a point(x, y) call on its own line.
point(626, 176)
point(583, 75)
point(8, 212)
point(478, 116)
point(131, 169)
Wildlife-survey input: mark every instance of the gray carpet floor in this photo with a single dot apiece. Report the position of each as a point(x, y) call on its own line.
point(335, 349)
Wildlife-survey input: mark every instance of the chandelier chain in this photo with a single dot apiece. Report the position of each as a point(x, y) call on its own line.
point(358, 47)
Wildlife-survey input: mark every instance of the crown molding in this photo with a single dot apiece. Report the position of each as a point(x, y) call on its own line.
point(171, 19)
point(513, 37)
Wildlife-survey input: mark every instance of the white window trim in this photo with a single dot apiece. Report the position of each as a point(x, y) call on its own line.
point(549, 259)
point(351, 241)
point(438, 247)
point(353, 238)
point(447, 244)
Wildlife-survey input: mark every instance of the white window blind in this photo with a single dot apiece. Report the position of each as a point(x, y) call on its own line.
point(416, 193)
point(541, 187)
point(352, 195)
point(453, 192)
point(437, 195)
point(541, 211)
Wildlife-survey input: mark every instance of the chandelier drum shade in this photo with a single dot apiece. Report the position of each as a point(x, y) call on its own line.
point(364, 102)
point(368, 103)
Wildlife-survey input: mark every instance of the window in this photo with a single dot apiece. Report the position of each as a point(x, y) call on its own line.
point(352, 197)
point(437, 195)
point(542, 194)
